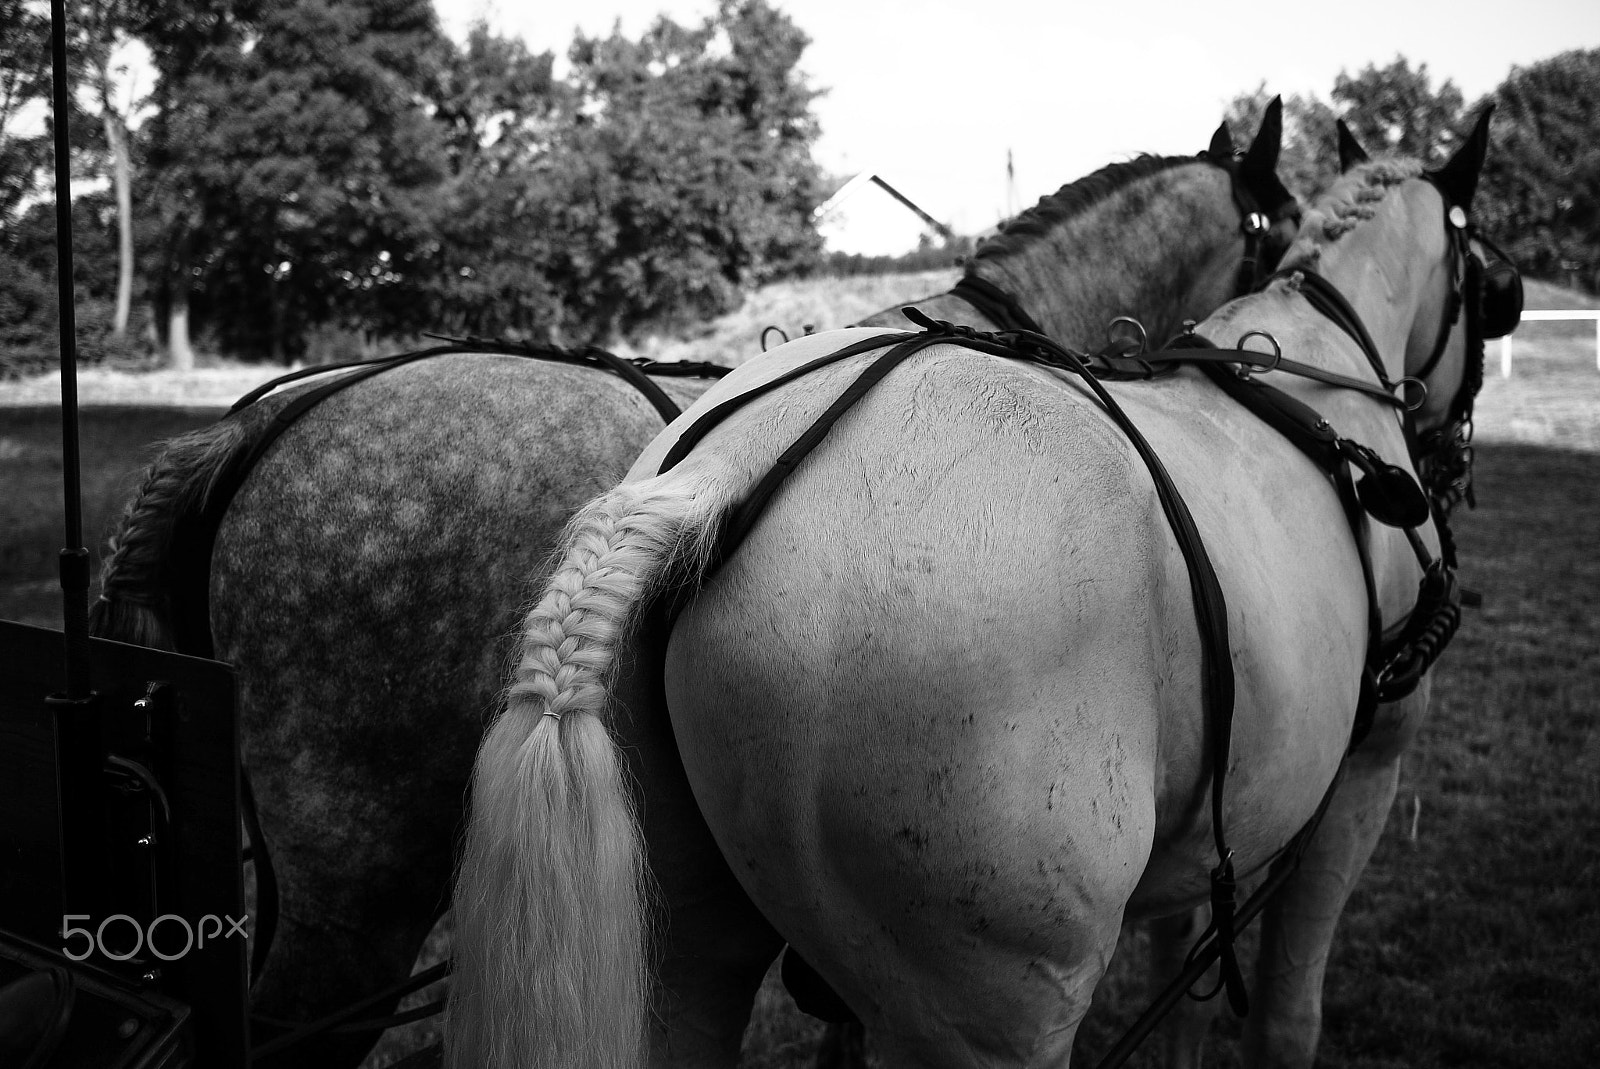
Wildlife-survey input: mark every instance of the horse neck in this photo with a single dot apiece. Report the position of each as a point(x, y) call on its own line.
point(1163, 249)
point(1378, 266)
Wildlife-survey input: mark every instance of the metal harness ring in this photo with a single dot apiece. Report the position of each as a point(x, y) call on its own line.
point(1277, 352)
point(1422, 398)
point(1111, 328)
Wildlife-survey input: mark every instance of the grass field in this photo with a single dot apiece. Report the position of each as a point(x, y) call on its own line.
point(1474, 938)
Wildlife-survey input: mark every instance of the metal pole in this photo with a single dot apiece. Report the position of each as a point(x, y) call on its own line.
point(74, 562)
point(75, 713)
point(944, 231)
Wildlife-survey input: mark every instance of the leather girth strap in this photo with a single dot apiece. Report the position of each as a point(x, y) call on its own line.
point(1209, 603)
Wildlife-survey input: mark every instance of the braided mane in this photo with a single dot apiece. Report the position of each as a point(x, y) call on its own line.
point(1071, 200)
point(1347, 202)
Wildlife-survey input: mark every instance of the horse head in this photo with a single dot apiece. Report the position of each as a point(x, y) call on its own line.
point(1268, 210)
point(1170, 238)
point(1461, 289)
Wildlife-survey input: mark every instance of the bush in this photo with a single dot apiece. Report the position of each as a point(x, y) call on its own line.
point(30, 339)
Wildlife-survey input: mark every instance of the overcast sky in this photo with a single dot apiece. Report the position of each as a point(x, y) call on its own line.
point(931, 94)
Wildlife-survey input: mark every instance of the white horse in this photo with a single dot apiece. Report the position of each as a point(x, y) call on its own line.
point(942, 708)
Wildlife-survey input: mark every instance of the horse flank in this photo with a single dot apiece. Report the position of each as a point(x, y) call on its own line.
point(574, 835)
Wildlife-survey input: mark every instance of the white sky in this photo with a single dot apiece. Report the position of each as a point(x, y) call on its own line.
point(932, 93)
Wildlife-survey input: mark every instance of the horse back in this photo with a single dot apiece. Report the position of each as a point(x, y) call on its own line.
point(965, 619)
point(369, 574)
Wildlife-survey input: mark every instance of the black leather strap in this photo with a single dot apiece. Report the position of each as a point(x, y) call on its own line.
point(1144, 365)
point(1325, 297)
point(994, 304)
point(1210, 606)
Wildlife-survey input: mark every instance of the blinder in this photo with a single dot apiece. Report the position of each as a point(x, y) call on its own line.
point(1501, 306)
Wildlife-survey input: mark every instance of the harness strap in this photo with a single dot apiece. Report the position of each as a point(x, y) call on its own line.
point(1210, 606)
point(1196, 349)
point(1394, 666)
point(1325, 297)
point(1209, 947)
point(994, 304)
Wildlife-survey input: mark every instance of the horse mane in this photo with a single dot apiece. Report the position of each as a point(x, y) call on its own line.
point(1351, 199)
point(1071, 200)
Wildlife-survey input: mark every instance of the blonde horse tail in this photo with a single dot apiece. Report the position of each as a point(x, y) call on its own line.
point(135, 603)
point(550, 902)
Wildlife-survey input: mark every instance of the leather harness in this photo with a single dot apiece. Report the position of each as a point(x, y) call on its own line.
point(1394, 665)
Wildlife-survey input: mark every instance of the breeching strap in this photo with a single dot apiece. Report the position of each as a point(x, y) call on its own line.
point(1210, 606)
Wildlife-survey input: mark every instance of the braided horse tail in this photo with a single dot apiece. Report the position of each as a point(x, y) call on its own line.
point(135, 602)
point(549, 951)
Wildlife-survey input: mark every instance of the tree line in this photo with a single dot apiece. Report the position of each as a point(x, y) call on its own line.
point(314, 163)
point(304, 166)
point(1539, 195)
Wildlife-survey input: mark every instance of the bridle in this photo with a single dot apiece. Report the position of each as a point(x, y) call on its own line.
point(1263, 201)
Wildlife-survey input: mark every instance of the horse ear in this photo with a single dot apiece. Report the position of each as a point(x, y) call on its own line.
point(1262, 158)
point(1221, 147)
point(1350, 150)
point(1458, 179)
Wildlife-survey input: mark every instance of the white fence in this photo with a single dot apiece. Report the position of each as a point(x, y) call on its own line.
point(1552, 313)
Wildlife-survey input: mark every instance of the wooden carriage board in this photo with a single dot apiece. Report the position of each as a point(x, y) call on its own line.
point(195, 755)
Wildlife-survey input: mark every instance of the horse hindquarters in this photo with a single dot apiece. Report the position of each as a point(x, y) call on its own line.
point(919, 719)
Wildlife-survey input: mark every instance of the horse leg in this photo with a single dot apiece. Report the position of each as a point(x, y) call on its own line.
point(1285, 1021)
point(712, 946)
point(1182, 1033)
point(342, 934)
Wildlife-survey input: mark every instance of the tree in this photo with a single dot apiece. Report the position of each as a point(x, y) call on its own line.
point(314, 172)
point(195, 46)
point(24, 96)
point(501, 111)
point(498, 103)
point(687, 173)
point(1395, 109)
point(1540, 191)
point(102, 30)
